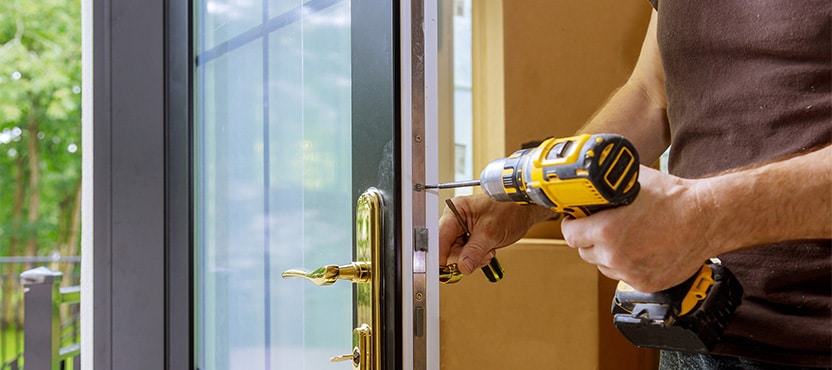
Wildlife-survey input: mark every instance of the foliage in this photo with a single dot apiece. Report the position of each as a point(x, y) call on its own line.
point(40, 137)
point(40, 115)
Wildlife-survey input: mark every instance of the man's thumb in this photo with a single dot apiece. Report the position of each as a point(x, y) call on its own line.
point(472, 255)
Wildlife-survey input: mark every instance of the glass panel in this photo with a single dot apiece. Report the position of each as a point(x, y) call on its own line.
point(283, 6)
point(224, 19)
point(273, 181)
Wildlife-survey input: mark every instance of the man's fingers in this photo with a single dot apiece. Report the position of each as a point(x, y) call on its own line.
point(574, 234)
point(453, 255)
point(610, 273)
point(586, 254)
point(471, 257)
point(474, 253)
point(449, 233)
point(485, 261)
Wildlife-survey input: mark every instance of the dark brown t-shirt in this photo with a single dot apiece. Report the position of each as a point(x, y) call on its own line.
point(750, 81)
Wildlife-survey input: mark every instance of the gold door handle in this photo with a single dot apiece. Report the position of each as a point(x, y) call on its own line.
point(356, 272)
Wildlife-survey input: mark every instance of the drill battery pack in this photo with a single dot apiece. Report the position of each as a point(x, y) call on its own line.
point(690, 317)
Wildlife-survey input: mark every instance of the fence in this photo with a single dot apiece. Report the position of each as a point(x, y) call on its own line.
point(32, 333)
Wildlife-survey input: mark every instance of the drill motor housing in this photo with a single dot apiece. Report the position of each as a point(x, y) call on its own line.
point(576, 175)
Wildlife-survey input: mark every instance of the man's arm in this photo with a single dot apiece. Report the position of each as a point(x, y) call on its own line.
point(638, 109)
point(781, 201)
point(675, 224)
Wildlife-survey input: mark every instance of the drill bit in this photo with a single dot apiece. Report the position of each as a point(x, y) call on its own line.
point(452, 185)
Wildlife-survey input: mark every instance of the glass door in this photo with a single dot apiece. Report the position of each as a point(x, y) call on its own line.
point(295, 118)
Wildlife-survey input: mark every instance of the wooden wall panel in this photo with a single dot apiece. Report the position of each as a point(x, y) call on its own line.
point(563, 59)
point(542, 315)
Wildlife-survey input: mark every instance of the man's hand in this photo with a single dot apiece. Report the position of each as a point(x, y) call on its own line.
point(675, 224)
point(654, 243)
point(492, 225)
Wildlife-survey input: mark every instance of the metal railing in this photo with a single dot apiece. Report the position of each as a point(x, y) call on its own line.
point(42, 329)
point(11, 320)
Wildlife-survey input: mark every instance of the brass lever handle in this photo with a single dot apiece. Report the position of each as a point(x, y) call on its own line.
point(356, 272)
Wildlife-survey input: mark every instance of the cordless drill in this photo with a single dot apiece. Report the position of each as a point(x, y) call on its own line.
point(585, 174)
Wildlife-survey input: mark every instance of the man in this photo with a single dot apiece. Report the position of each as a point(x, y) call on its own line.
point(742, 91)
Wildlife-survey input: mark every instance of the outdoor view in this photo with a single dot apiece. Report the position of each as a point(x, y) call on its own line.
point(40, 154)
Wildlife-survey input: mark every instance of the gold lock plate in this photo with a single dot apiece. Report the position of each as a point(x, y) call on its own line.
point(362, 352)
point(368, 236)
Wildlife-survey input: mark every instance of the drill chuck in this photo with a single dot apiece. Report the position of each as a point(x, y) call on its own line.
point(491, 181)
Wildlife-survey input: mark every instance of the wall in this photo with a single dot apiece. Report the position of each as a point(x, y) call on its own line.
point(538, 317)
point(563, 59)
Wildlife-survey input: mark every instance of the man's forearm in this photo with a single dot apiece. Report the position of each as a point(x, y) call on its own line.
point(781, 201)
point(638, 109)
point(634, 115)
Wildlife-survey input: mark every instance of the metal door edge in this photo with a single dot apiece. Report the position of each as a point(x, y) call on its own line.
point(419, 80)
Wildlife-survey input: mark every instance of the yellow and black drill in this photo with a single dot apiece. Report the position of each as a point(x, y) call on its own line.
point(585, 174)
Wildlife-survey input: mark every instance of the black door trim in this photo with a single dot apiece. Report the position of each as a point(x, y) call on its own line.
point(376, 119)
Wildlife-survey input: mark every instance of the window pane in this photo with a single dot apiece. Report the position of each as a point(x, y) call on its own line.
point(273, 177)
point(225, 19)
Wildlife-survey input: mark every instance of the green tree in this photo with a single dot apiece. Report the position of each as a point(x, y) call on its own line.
point(40, 131)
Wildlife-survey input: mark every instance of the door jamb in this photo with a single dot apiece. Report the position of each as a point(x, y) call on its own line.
point(419, 93)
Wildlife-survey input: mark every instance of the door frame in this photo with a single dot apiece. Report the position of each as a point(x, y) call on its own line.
point(420, 115)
